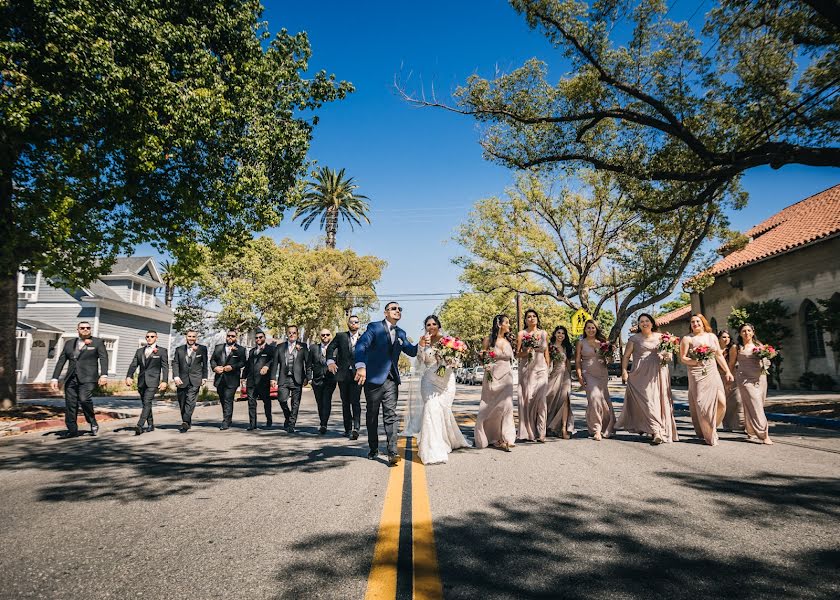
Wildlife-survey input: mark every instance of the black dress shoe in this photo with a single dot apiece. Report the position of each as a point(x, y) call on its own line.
point(290, 429)
point(354, 435)
point(66, 435)
point(251, 427)
point(373, 454)
point(94, 429)
point(138, 430)
point(347, 434)
point(224, 426)
point(150, 427)
point(268, 424)
point(393, 459)
point(322, 430)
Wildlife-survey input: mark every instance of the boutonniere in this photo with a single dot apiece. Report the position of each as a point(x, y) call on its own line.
point(88, 342)
point(154, 350)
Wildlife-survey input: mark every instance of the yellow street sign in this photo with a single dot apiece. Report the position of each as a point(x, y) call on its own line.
point(578, 320)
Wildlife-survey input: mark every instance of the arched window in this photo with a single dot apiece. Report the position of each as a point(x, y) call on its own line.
point(813, 331)
point(713, 323)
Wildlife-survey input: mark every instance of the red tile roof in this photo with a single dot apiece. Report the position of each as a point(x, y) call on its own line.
point(669, 317)
point(806, 221)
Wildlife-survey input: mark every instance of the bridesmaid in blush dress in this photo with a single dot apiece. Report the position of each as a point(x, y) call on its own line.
point(494, 424)
point(561, 421)
point(706, 397)
point(733, 419)
point(592, 375)
point(647, 399)
point(533, 380)
point(752, 382)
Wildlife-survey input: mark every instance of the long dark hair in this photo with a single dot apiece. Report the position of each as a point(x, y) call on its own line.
point(494, 332)
point(599, 335)
point(567, 344)
point(433, 318)
point(731, 341)
point(527, 312)
point(741, 339)
point(655, 327)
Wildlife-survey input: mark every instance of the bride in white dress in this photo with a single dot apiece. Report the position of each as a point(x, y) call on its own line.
point(430, 416)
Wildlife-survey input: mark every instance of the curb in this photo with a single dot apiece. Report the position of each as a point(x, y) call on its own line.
point(48, 423)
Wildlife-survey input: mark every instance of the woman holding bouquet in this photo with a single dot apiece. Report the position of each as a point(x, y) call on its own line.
point(733, 419)
point(706, 397)
point(561, 421)
point(591, 362)
point(751, 377)
point(438, 433)
point(494, 424)
point(647, 399)
point(532, 351)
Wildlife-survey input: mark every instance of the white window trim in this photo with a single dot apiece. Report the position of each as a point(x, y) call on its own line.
point(112, 353)
point(31, 296)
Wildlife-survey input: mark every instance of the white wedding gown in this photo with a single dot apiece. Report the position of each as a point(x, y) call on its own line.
point(430, 416)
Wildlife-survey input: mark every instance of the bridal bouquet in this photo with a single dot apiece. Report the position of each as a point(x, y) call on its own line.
point(668, 344)
point(702, 354)
point(765, 353)
point(556, 354)
point(449, 351)
point(530, 342)
point(606, 350)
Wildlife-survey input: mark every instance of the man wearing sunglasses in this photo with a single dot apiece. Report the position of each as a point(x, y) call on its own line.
point(341, 362)
point(227, 362)
point(289, 375)
point(87, 367)
point(189, 371)
point(323, 380)
point(153, 377)
point(377, 355)
point(257, 375)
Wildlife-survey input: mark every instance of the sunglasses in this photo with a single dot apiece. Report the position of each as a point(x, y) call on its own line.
point(150, 337)
point(260, 337)
point(80, 327)
point(354, 322)
point(397, 308)
point(231, 336)
point(326, 334)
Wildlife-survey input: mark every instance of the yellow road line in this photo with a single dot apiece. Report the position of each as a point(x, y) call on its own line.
point(382, 581)
point(427, 584)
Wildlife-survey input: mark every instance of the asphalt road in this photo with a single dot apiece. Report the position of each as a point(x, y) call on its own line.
point(237, 514)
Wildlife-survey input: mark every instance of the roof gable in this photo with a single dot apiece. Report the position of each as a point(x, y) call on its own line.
point(807, 221)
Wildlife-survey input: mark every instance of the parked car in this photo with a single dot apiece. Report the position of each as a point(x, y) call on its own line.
point(243, 392)
point(459, 374)
point(466, 377)
point(477, 376)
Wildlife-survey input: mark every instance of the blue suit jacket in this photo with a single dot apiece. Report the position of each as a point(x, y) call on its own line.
point(374, 349)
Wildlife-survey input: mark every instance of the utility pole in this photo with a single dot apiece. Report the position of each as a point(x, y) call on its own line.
point(518, 313)
point(615, 297)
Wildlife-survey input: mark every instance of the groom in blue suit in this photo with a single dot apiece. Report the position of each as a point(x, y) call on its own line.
point(377, 355)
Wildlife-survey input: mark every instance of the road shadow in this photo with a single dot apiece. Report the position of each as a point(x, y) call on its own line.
point(119, 468)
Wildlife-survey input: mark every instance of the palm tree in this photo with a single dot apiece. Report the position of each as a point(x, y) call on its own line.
point(167, 273)
point(329, 196)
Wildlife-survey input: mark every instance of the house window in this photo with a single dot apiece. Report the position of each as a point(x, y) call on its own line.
point(713, 324)
point(813, 331)
point(28, 285)
point(111, 345)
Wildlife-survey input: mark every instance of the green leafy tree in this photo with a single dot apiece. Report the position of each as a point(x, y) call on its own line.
point(274, 285)
point(678, 302)
point(178, 123)
point(763, 93)
point(829, 319)
point(581, 248)
point(331, 196)
point(769, 320)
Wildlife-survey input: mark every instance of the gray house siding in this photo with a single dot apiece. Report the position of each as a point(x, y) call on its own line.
point(48, 293)
point(129, 330)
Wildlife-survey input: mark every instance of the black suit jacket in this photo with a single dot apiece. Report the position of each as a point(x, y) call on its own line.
point(299, 369)
point(317, 372)
point(87, 364)
point(152, 371)
point(340, 351)
point(190, 373)
point(236, 359)
point(256, 361)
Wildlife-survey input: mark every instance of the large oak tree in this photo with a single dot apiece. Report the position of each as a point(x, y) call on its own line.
point(176, 123)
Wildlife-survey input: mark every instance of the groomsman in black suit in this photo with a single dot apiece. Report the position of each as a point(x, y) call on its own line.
point(87, 361)
point(323, 380)
point(153, 377)
point(341, 362)
point(227, 362)
point(257, 375)
point(189, 371)
point(289, 372)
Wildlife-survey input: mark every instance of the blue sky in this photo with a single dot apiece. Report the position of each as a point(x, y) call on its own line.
point(422, 168)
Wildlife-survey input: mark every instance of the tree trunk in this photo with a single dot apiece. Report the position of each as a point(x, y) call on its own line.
point(168, 293)
point(9, 264)
point(331, 226)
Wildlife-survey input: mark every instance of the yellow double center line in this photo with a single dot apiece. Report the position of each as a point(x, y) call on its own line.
point(404, 560)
